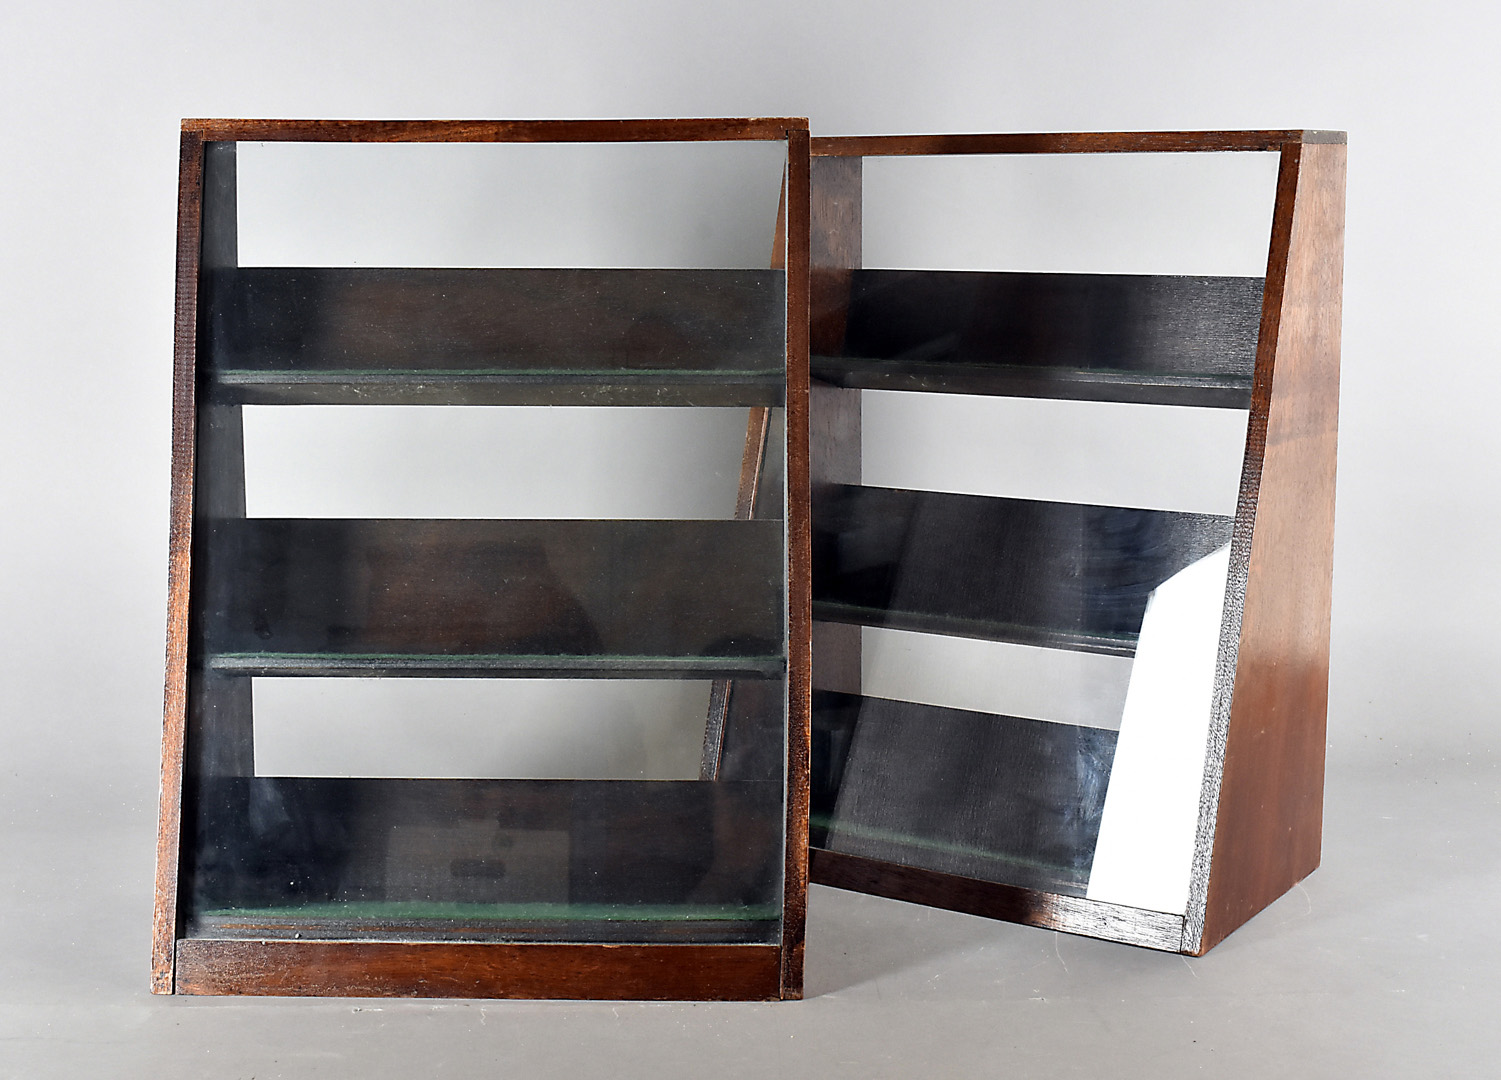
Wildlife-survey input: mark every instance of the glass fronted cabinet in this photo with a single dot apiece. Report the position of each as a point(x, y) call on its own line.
point(488, 629)
point(1072, 527)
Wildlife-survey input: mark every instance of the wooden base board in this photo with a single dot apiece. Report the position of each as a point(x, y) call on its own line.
point(480, 970)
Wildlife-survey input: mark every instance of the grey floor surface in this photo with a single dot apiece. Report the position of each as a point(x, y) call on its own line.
point(1383, 963)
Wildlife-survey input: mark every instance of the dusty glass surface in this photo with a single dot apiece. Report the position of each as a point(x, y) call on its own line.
point(1018, 593)
point(488, 623)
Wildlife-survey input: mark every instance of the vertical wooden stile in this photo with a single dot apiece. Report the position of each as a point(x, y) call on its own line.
point(799, 579)
point(174, 712)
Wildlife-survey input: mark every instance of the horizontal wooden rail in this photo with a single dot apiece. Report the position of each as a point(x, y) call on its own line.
point(520, 131)
point(1067, 142)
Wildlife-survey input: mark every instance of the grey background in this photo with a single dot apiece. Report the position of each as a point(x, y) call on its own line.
point(1382, 964)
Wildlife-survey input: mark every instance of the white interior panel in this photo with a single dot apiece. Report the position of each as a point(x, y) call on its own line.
point(1144, 855)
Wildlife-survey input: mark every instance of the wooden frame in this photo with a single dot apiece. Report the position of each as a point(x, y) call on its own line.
point(183, 964)
point(1260, 814)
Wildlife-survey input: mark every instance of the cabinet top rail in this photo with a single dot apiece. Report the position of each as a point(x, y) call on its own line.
point(1066, 142)
point(678, 130)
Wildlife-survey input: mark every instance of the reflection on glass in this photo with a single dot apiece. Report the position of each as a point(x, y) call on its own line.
point(1016, 799)
point(1027, 474)
point(1145, 850)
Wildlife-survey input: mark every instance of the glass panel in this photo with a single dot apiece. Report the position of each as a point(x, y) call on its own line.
point(1062, 685)
point(1102, 453)
point(626, 205)
point(481, 729)
point(1021, 542)
point(358, 536)
point(316, 596)
point(395, 461)
point(1189, 213)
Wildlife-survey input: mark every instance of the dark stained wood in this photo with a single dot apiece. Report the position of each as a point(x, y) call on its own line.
point(495, 336)
point(973, 794)
point(478, 969)
point(225, 744)
point(1076, 142)
point(500, 860)
point(180, 545)
point(1048, 574)
point(836, 243)
point(1074, 915)
point(514, 131)
point(702, 594)
point(799, 572)
point(1269, 815)
point(752, 461)
point(1154, 339)
point(835, 249)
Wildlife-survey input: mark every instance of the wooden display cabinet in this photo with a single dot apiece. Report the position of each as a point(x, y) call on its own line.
point(1000, 815)
point(689, 888)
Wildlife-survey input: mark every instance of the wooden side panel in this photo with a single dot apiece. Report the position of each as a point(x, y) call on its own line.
point(835, 252)
point(1270, 800)
point(220, 738)
point(474, 969)
point(799, 579)
point(169, 814)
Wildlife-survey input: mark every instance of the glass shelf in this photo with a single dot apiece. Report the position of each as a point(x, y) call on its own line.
point(496, 336)
point(332, 596)
point(475, 859)
point(995, 798)
point(1097, 337)
point(1053, 574)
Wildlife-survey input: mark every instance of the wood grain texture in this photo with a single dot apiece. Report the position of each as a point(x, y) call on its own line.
point(476, 969)
point(435, 320)
point(1155, 339)
point(521, 131)
point(1067, 142)
point(1269, 814)
point(531, 589)
point(799, 572)
point(1074, 915)
point(180, 543)
point(835, 251)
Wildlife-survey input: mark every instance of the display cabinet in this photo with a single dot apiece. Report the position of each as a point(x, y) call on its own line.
point(1199, 802)
point(686, 882)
